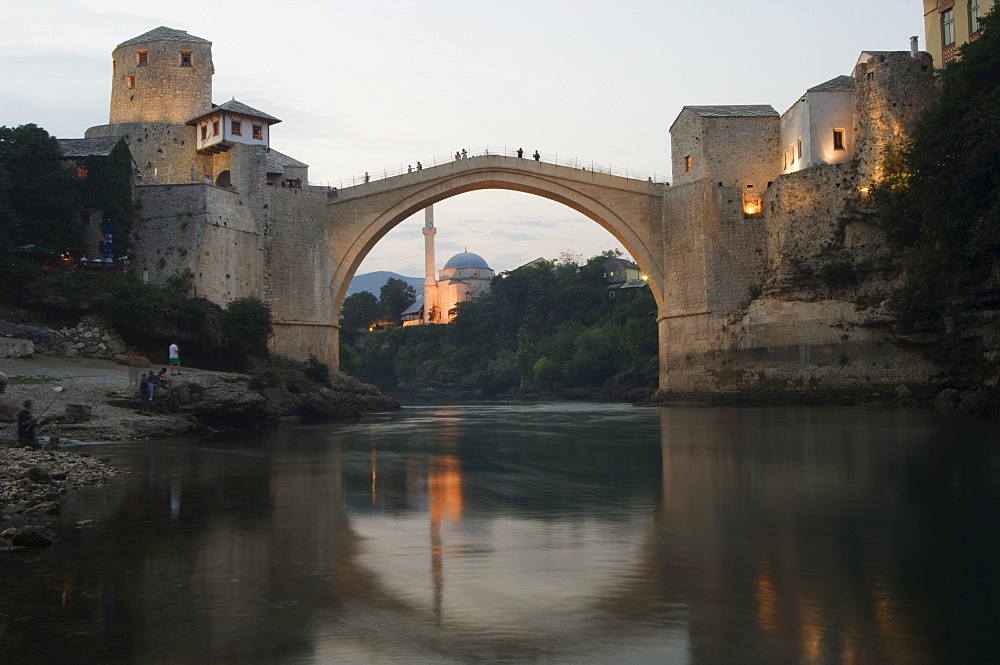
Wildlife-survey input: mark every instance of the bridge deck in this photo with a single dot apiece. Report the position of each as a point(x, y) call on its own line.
point(495, 162)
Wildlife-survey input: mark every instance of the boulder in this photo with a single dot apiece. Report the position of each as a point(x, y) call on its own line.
point(37, 474)
point(33, 536)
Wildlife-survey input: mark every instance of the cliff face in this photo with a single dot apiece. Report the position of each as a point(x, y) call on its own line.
point(820, 325)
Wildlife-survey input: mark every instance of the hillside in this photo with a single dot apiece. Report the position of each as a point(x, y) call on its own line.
point(372, 282)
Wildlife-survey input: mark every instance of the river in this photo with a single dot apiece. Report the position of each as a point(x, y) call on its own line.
point(530, 533)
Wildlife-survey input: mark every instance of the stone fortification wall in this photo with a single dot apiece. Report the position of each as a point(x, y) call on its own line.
point(163, 153)
point(736, 260)
point(891, 91)
point(162, 90)
point(299, 274)
point(205, 229)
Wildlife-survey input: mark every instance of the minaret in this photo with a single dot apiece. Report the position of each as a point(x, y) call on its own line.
point(430, 278)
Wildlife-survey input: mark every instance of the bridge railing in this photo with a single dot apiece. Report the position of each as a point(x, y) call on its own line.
point(502, 151)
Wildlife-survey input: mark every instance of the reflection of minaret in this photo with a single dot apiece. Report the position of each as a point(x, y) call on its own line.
point(430, 278)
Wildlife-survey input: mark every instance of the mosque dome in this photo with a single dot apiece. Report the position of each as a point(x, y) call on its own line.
point(466, 260)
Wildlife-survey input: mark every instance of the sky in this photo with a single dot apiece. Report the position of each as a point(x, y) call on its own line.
point(365, 86)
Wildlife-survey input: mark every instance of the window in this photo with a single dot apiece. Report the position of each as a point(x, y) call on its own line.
point(81, 171)
point(838, 139)
point(258, 132)
point(948, 27)
point(142, 58)
point(237, 127)
point(687, 164)
point(185, 58)
point(215, 128)
point(799, 144)
point(204, 131)
point(130, 80)
point(784, 160)
point(791, 151)
point(973, 15)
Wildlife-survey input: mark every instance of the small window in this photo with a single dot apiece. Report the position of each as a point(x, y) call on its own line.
point(799, 144)
point(784, 160)
point(130, 80)
point(185, 58)
point(687, 164)
point(791, 151)
point(258, 132)
point(81, 172)
point(838, 139)
point(204, 131)
point(237, 127)
point(142, 58)
point(215, 128)
point(948, 27)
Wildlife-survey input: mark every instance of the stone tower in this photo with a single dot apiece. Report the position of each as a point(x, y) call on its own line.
point(430, 276)
point(164, 75)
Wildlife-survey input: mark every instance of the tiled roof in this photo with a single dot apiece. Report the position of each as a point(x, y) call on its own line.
point(834, 85)
point(234, 106)
point(734, 111)
point(276, 162)
point(86, 147)
point(163, 33)
point(415, 307)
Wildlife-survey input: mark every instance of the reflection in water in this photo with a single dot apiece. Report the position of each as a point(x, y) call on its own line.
point(555, 533)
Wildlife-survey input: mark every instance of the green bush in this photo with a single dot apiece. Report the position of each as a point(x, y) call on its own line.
point(247, 324)
point(317, 369)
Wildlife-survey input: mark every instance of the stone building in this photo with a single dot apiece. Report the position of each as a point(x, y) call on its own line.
point(464, 277)
point(950, 23)
point(818, 128)
point(202, 169)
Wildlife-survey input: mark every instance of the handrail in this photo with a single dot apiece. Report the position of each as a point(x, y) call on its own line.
point(489, 151)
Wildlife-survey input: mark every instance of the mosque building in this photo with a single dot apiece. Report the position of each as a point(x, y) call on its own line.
point(465, 276)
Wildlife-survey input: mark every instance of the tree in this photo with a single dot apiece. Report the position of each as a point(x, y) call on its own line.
point(41, 194)
point(359, 312)
point(396, 295)
point(940, 198)
point(247, 322)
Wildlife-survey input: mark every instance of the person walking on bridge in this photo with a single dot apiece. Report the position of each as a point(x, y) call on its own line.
point(465, 155)
point(537, 157)
point(520, 153)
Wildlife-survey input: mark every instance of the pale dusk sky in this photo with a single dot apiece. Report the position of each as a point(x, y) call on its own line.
point(363, 86)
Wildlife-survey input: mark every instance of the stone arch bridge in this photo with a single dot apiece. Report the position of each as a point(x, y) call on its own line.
point(318, 239)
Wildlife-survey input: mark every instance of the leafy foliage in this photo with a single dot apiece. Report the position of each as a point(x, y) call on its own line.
point(359, 312)
point(247, 323)
point(940, 198)
point(546, 327)
point(317, 369)
point(395, 296)
point(38, 196)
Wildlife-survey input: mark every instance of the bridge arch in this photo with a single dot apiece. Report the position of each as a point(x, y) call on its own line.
point(327, 245)
point(630, 232)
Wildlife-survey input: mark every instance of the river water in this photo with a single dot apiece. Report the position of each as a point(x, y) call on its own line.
point(531, 533)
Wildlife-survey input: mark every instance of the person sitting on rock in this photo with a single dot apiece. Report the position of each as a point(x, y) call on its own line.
point(161, 378)
point(145, 393)
point(26, 422)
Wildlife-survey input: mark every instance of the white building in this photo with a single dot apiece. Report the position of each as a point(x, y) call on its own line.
point(818, 128)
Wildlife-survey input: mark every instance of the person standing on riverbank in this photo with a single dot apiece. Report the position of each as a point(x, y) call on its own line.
point(26, 422)
point(145, 394)
point(6, 410)
point(175, 359)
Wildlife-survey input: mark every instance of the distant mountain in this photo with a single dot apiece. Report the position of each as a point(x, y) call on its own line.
point(372, 282)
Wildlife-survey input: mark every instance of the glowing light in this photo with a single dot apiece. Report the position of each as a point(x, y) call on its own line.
point(645, 278)
point(752, 208)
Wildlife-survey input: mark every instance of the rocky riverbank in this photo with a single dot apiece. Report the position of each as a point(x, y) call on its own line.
point(91, 399)
point(32, 483)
